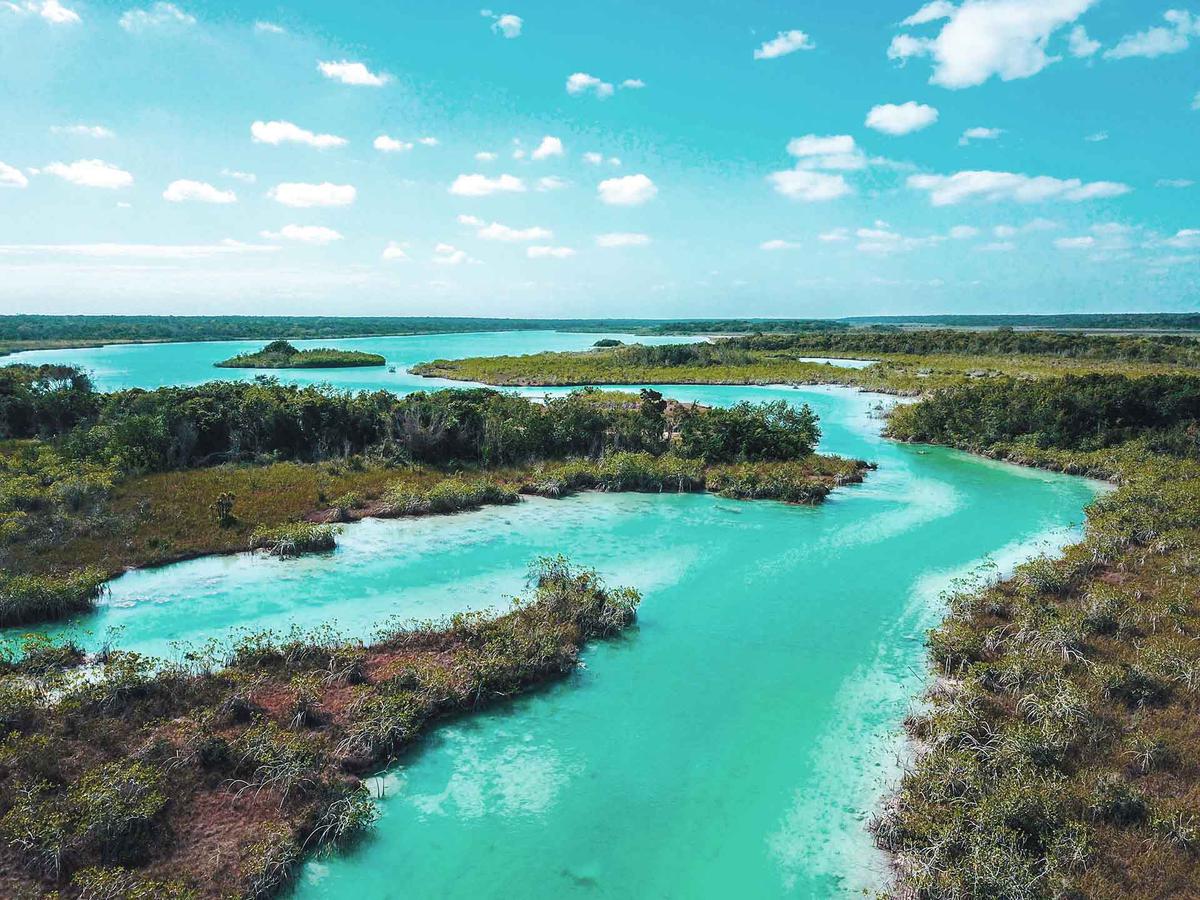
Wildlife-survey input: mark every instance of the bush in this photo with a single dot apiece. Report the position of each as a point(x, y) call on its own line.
point(294, 539)
point(32, 598)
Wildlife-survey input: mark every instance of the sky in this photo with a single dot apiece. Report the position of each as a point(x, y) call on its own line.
point(615, 158)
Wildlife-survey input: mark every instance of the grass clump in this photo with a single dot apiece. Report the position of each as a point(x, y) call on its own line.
point(33, 598)
point(294, 539)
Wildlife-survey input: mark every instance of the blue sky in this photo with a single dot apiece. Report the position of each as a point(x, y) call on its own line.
point(613, 159)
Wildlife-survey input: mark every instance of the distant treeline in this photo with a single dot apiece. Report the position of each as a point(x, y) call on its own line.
point(1115, 321)
point(98, 329)
point(182, 427)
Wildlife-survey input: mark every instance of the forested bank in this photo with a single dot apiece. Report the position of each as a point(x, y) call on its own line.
point(1060, 745)
point(282, 355)
point(217, 774)
point(91, 483)
point(906, 362)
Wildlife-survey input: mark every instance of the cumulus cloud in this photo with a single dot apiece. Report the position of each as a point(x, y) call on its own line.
point(303, 234)
point(159, 15)
point(903, 118)
point(1174, 37)
point(184, 189)
point(809, 186)
point(302, 196)
point(631, 190)
point(582, 83)
point(1080, 45)
point(352, 73)
point(985, 38)
point(485, 156)
point(622, 239)
point(91, 173)
point(784, 43)
point(1186, 239)
point(835, 235)
point(549, 252)
point(592, 158)
point(391, 145)
point(146, 251)
point(12, 177)
point(269, 28)
point(779, 244)
point(246, 177)
point(633, 84)
point(449, 255)
point(949, 190)
point(286, 133)
point(395, 251)
point(979, 134)
point(428, 141)
point(1096, 138)
point(495, 231)
point(550, 146)
point(50, 10)
point(506, 24)
point(482, 185)
point(92, 131)
point(551, 183)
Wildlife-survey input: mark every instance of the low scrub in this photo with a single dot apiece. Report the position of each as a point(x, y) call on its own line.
point(294, 539)
point(34, 598)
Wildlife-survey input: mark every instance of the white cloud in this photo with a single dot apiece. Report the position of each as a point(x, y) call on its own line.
point(1080, 45)
point(1186, 239)
point(303, 196)
point(1096, 138)
point(779, 244)
point(354, 73)
point(1075, 243)
point(985, 38)
point(91, 173)
point(931, 12)
point(784, 43)
point(147, 251)
point(1175, 37)
point(551, 183)
point(304, 234)
point(485, 156)
point(245, 177)
point(12, 177)
point(809, 186)
point(159, 15)
point(428, 141)
point(285, 132)
point(904, 118)
point(390, 144)
point(269, 28)
point(979, 134)
point(550, 146)
point(1174, 183)
point(622, 239)
point(815, 145)
point(1196, 101)
point(508, 25)
point(549, 252)
point(481, 185)
point(582, 83)
point(183, 189)
point(592, 158)
point(964, 232)
point(50, 10)
point(631, 190)
point(449, 255)
point(998, 247)
point(948, 190)
point(395, 251)
point(92, 131)
point(835, 235)
point(633, 84)
point(498, 232)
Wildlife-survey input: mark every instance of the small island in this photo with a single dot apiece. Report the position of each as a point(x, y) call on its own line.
point(282, 355)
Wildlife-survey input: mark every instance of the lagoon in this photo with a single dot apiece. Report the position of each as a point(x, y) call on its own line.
point(733, 744)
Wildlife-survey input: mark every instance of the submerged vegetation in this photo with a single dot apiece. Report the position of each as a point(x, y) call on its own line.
point(282, 355)
point(1060, 746)
point(216, 775)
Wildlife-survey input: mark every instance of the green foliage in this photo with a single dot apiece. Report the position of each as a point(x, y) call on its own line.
point(99, 883)
point(294, 539)
point(32, 598)
point(749, 433)
point(282, 355)
point(222, 508)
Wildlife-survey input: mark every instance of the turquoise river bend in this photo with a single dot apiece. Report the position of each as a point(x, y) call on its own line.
point(733, 744)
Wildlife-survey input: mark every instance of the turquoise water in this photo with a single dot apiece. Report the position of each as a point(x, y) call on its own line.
point(733, 744)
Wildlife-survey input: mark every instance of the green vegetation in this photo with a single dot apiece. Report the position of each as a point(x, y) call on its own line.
point(95, 483)
point(608, 342)
point(907, 362)
point(282, 355)
point(216, 775)
point(1060, 750)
